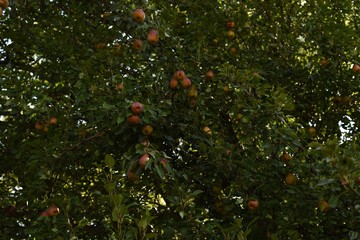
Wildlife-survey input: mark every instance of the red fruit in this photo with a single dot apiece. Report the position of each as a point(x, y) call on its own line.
point(230, 24)
point(39, 126)
point(163, 162)
point(323, 205)
point(4, 3)
point(143, 160)
point(134, 119)
point(153, 36)
point(253, 204)
point(179, 75)
point(356, 68)
point(137, 44)
point(210, 75)
point(136, 108)
point(132, 176)
point(53, 121)
point(186, 82)
point(138, 15)
point(173, 83)
point(52, 211)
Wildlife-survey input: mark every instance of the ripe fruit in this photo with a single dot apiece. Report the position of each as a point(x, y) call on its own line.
point(53, 121)
point(173, 83)
point(233, 50)
point(100, 46)
point(52, 211)
point(179, 75)
point(134, 119)
point(230, 24)
point(323, 205)
point(10, 211)
point(137, 44)
point(193, 93)
point(286, 157)
point(132, 176)
point(230, 34)
point(312, 131)
point(4, 3)
point(144, 159)
point(39, 126)
point(253, 204)
point(119, 86)
point(153, 36)
point(163, 162)
point(210, 75)
point(138, 15)
point(324, 62)
point(356, 68)
point(136, 108)
point(207, 130)
point(147, 130)
point(186, 82)
point(290, 179)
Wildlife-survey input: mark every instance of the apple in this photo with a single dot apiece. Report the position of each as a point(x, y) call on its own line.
point(137, 44)
point(226, 89)
point(193, 93)
point(357, 180)
point(132, 176)
point(186, 82)
point(163, 162)
point(136, 108)
point(138, 15)
point(179, 75)
point(323, 205)
point(52, 211)
point(147, 130)
point(253, 204)
point(210, 75)
point(4, 3)
point(100, 46)
point(324, 62)
point(233, 50)
point(286, 157)
point(119, 86)
point(153, 36)
point(53, 121)
point(173, 83)
point(39, 126)
point(230, 34)
point(356, 68)
point(134, 119)
point(230, 24)
point(207, 130)
point(312, 131)
point(290, 179)
point(144, 159)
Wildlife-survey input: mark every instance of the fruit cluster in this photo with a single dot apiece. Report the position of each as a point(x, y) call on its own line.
point(44, 127)
point(153, 36)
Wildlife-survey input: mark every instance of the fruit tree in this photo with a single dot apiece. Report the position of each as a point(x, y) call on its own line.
point(179, 119)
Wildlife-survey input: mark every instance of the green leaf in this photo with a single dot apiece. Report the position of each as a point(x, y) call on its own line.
point(109, 161)
point(323, 182)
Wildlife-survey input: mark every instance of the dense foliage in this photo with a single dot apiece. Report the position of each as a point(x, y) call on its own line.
point(203, 120)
